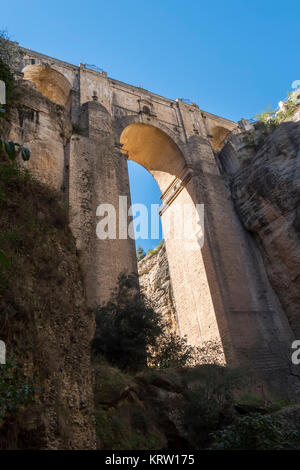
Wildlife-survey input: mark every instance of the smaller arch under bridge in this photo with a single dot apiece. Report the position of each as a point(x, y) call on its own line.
point(221, 289)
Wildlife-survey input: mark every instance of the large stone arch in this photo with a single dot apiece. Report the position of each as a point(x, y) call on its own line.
point(154, 150)
point(119, 124)
point(51, 83)
point(159, 150)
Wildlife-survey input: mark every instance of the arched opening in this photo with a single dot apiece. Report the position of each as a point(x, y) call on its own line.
point(144, 189)
point(218, 136)
point(152, 262)
point(154, 150)
point(183, 233)
point(49, 82)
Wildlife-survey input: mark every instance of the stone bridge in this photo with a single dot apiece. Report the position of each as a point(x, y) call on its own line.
point(221, 289)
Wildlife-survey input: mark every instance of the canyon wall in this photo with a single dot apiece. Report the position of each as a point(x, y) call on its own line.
point(155, 283)
point(263, 168)
point(44, 317)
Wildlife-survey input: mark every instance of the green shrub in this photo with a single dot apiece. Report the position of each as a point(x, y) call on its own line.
point(209, 399)
point(155, 249)
point(170, 350)
point(266, 115)
point(257, 432)
point(140, 253)
point(126, 326)
point(110, 383)
point(271, 118)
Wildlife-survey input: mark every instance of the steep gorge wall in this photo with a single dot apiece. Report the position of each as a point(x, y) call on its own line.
point(155, 283)
point(44, 319)
point(266, 193)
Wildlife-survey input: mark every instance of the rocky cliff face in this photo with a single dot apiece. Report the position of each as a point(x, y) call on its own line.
point(263, 167)
point(155, 283)
point(44, 319)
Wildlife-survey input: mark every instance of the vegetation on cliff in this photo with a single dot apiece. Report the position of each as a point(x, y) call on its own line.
point(140, 253)
point(258, 432)
point(186, 409)
point(272, 118)
point(155, 249)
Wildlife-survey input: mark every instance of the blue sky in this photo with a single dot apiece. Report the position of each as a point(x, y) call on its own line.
point(232, 57)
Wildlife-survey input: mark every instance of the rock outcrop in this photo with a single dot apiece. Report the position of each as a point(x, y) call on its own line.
point(155, 283)
point(264, 172)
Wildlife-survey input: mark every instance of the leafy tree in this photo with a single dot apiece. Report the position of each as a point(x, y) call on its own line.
point(140, 253)
point(126, 326)
point(170, 350)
